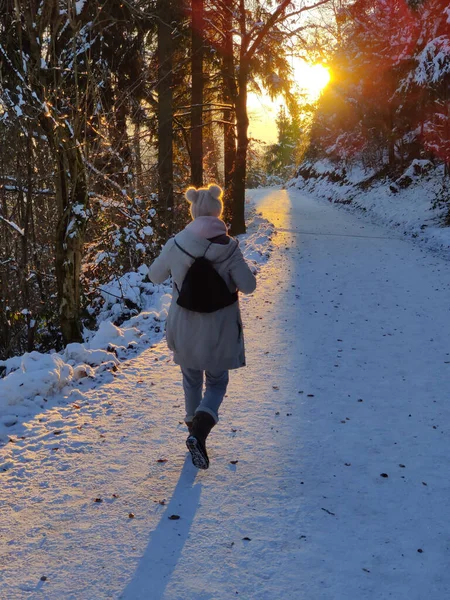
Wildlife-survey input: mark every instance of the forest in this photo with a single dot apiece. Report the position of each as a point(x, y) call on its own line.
point(390, 100)
point(109, 110)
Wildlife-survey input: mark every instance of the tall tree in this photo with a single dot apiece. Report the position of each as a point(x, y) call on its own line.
point(197, 93)
point(281, 157)
point(229, 92)
point(260, 34)
point(165, 12)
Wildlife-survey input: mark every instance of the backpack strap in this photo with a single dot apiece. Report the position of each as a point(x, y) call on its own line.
point(215, 262)
point(183, 250)
point(207, 249)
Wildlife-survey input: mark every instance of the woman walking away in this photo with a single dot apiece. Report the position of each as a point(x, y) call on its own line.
point(204, 327)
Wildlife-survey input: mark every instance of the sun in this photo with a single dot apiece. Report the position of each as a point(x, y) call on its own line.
point(310, 78)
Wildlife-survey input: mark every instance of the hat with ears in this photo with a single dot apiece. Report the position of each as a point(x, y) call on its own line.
point(205, 202)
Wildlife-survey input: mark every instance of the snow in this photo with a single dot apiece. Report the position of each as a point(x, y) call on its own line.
point(413, 205)
point(41, 376)
point(46, 373)
point(433, 61)
point(79, 4)
point(146, 231)
point(13, 225)
point(327, 477)
point(80, 211)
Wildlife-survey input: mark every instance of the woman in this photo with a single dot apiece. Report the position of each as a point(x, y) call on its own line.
point(204, 343)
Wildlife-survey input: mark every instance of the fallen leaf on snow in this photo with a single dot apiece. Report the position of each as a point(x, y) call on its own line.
point(329, 512)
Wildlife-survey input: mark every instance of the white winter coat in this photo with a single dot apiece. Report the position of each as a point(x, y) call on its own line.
point(204, 341)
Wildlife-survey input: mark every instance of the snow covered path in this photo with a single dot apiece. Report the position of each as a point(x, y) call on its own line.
point(339, 426)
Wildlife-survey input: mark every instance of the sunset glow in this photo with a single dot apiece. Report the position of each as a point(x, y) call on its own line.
point(310, 79)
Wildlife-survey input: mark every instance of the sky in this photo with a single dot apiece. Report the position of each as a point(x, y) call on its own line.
point(262, 115)
point(310, 80)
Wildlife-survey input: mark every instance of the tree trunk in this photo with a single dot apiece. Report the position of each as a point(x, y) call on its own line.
point(22, 158)
point(26, 241)
point(197, 94)
point(229, 142)
point(229, 152)
point(72, 202)
point(391, 139)
point(121, 142)
point(165, 110)
point(137, 155)
point(211, 155)
point(229, 130)
point(240, 169)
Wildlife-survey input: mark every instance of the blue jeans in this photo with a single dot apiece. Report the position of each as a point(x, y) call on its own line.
point(195, 400)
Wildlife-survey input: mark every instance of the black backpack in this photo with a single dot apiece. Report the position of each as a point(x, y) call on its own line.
point(203, 289)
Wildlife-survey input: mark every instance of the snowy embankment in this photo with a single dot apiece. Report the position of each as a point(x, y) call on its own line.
point(35, 381)
point(415, 204)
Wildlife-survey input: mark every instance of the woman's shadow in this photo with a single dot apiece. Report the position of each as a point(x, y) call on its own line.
point(167, 540)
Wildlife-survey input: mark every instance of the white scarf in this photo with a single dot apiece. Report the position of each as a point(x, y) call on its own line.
point(207, 227)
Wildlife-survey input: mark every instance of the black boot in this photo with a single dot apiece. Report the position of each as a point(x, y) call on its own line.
point(202, 424)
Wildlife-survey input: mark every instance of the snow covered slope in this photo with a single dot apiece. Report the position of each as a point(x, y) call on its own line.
point(328, 477)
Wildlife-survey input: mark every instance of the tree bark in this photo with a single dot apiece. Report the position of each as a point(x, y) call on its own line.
point(137, 155)
point(240, 169)
point(72, 204)
point(229, 130)
point(164, 9)
point(26, 241)
point(197, 93)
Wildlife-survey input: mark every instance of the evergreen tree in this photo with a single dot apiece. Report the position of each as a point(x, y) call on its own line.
point(388, 103)
point(282, 158)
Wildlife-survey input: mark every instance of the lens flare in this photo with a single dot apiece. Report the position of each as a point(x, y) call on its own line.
point(310, 79)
